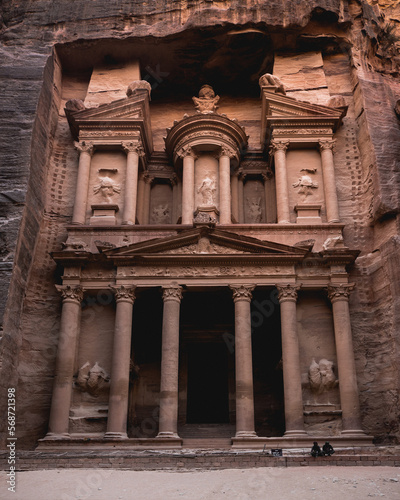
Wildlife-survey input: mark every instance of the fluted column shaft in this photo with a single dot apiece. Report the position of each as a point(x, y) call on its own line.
point(65, 362)
point(82, 184)
point(351, 421)
point(293, 398)
point(328, 173)
point(121, 357)
point(133, 152)
point(225, 216)
point(168, 423)
point(282, 192)
point(245, 426)
point(188, 186)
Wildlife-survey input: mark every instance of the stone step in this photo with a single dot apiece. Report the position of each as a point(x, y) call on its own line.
point(207, 444)
point(206, 431)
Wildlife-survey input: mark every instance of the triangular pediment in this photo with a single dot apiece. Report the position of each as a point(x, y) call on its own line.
point(128, 112)
point(204, 242)
point(280, 105)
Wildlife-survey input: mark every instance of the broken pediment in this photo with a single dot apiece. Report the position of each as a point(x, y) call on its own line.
point(122, 119)
point(205, 242)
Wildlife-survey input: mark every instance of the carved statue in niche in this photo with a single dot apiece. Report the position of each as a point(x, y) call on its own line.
point(321, 376)
point(92, 380)
point(107, 188)
point(207, 191)
point(306, 185)
point(254, 212)
point(269, 80)
point(161, 214)
point(207, 101)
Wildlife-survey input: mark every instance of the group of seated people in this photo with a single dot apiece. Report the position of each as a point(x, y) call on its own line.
point(327, 450)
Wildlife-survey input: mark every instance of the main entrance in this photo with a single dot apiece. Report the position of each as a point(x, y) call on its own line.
point(207, 386)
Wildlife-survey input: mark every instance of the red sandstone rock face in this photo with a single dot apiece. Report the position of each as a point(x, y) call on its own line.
point(34, 147)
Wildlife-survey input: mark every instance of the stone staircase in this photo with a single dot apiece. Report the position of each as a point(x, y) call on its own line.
point(207, 436)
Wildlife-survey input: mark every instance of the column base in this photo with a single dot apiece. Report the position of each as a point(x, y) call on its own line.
point(51, 436)
point(117, 436)
point(284, 222)
point(355, 433)
point(246, 434)
point(296, 433)
point(167, 435)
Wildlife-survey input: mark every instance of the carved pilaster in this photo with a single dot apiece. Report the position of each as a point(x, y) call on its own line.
point(124, 293)
point(71, 293)
point(327, 144)
point(84, 147)
point(172, 292)
point(279, 145)
point(340, 292)
point(242, 292)
point(287, 292)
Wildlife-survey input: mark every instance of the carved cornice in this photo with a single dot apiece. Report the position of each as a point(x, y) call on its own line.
point(302, 131)
point(287, 292)
point(71, 293)
point(124, 293)
point(279, 145)
point(172, 292)
point(327, 144)
point(340, 292)
point(242, 292)
point(84, 147)
point(133, 147)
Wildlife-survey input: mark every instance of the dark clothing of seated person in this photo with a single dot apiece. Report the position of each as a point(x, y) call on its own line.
point(328, 449)
point(316, 450)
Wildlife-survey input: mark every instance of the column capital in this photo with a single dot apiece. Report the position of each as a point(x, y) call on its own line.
point(340, 292)
point(133, 147)
point(287, 292)
point(241, 175)
point(84, 147)
point(71, 293)
point(327, 144)
point(124, 293)
point(242, 292)
point(186, 151)
point(267, 175)
point(173, 180)
point(172, 292)
point(148, 179)
point(226, 151)
point(279, 145)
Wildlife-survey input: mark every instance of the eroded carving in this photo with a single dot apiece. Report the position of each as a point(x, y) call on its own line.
point(138, 85)
point(107, 188)
point(333, 242)
point(305, 185)
point(161, 214)
point(321, 376)
point(269, 80)
point(254, 212)
point(207, 101)
point(207, 191)
point(93, 380)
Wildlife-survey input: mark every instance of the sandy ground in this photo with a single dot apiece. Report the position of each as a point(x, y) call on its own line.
point(303, 483)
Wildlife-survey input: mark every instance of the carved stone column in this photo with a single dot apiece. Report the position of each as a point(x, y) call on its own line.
point(328, 173)
point(62, 388)
point(293, 398)
point(121, 356)
point(82, 183)
point(140, 198)
point(133, 151)
point(168, 424)
point(243, 361)
point(148, 180)
point(351, 421)
point(225, 156)
point(278, 148)
point(241, 178)
point(187, 185)
point(235, 196)
point(270, 199)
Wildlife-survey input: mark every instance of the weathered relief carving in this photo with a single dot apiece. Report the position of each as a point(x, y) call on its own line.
point(107, 188)
point(207, 101)
point(204, 218)
point(92, 380)
point(161, 214)
point(334, 242)
point(321, 376)
point(138, 85)
point(269, 80)
point(254, 213)
point(207, 191)
point(74, 244)
point(305, 185)
point(302, 131)
point(203, 271)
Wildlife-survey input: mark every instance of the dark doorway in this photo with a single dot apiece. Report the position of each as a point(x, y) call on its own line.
point(207, 396)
